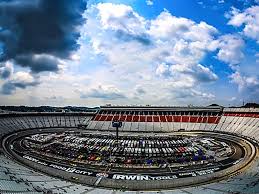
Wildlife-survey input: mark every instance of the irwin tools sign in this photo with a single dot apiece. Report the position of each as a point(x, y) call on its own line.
point(122, 176)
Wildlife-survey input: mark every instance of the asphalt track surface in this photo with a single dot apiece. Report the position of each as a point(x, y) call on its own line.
point(18, 149)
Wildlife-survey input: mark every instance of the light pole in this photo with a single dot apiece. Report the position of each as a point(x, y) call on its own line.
point(117, 125)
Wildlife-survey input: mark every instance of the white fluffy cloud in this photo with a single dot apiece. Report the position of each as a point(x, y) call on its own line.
point(248, 20)
point(146, 52)
point(13, 80)
point(167, 25)
point(230, 49)
point(163, 70)
point(20, 80)
point(248, 85)
point(126, 58)
point(107, 92)
point(23, 77)
point(165, 38)
point(124, 18)
point(149, 2)
point(198, 74)
point(245, 75)
point(245, 82)
point(160, 60)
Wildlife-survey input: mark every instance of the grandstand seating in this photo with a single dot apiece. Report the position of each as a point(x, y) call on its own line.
point(155, 121)
point(157, 118)
point(230, 120)
point(10, 123)
point(15, 178)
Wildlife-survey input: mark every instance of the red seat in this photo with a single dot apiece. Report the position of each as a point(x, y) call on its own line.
point(185, 118)
point(204, 119)
point(156, 118)
point(109, 118)
point(212, 119)
point(135, 118)
point(103, 117)
point(162, 118)
point(149, 119)
point(129, 118)
point(97, 117)
point(116, 118)
point(169, 118)
point(142, 118)
point(122, 118)
point(177, 118)
point(193, 119)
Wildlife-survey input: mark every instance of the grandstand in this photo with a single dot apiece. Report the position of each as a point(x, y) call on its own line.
point(156, 119)
point(241, 121)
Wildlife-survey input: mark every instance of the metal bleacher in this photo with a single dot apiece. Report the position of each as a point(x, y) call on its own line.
point(15, 178)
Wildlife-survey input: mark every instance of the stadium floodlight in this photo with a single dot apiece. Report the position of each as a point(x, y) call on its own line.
point(117, 125)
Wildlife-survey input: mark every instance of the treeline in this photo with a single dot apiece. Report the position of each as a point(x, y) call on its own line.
point(47, 109)
point(251, 105)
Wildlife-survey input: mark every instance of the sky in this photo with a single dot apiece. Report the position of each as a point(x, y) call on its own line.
point(131, 52)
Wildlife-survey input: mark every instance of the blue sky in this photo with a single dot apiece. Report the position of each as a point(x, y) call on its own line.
point(130, 52)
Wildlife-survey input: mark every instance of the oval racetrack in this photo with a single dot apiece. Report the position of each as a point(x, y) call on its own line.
point(241, 177)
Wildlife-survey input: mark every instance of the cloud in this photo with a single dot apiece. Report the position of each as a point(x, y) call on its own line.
point(245, 82)
point(203, 95)
point(38, 63)
point(230, 49)
point(124, 18)
point(34, 33)
point(149, 2)
point(148, 52)
point(204, 74)
point(20, 80)
point(103, 92)
point(198, 74)
point(189, 94)
point(139, 90)
point(248, 20)
point(248, 85)
point(163, 70)
point(166, 25)
point(181, 82)
point(164, 39)
point(126, 24)
point(6, 71)
point(141, 38)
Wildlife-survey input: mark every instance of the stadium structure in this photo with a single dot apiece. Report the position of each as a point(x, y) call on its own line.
point(136, 149)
